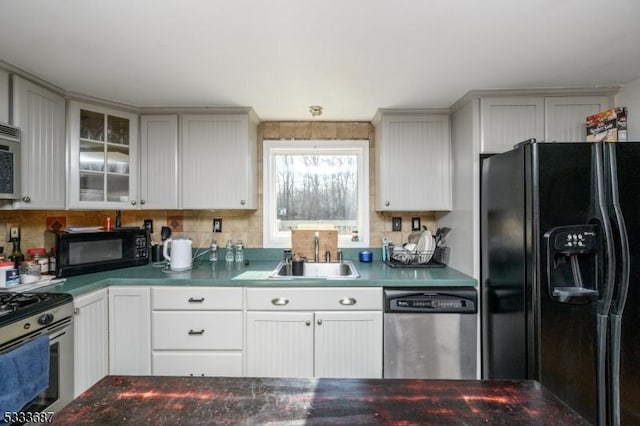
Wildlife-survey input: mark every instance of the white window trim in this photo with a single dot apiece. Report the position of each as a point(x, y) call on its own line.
point(273, 239)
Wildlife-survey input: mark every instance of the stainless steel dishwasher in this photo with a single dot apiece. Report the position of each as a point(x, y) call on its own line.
point(430, 332)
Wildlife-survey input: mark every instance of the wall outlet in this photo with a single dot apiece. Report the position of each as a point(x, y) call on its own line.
point(396, 224)
point(14, 232)
point(217, 225)
point(148, 225)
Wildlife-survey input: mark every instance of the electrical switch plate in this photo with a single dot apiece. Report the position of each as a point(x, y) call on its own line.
point(217, 225)
point(396, 224)
point(148, 224)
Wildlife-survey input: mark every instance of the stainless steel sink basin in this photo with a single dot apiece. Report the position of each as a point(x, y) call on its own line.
point(333, 270)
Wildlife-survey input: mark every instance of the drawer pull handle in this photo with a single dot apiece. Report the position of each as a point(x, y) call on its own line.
point(194, 300)
point(280, 301)
point(347, 301)
point(196, 332)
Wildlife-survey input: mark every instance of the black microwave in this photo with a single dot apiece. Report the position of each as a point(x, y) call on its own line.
point(83, 252)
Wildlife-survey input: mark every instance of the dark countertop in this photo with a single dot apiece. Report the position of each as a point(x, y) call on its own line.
point(117, 400)
point(375, 274)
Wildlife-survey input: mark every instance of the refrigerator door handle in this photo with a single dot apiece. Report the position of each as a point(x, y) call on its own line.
point(625, 257)
point(604, 304)
point(623, 287)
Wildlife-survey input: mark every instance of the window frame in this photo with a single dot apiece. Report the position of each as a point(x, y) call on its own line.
point(271, 238)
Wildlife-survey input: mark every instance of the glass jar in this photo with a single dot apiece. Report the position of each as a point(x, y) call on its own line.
point(29, 272)
point(41, 257)
point(239, 251)
point(229, 257)
point(213, 251)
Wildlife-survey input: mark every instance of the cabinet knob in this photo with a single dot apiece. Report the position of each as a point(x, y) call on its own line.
point(143, 202)
point(26, 199)
point(319, 322)
point(76, 311)
point(133, 202)
point(196, 332)
point(280, 301)
point(307, 323)
point(242, 202)
point(347, 301)
point(387, 203)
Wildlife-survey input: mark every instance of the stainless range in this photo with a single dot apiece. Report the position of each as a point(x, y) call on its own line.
point(27, 316)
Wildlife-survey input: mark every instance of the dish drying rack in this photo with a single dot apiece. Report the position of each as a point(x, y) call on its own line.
point(408, 257)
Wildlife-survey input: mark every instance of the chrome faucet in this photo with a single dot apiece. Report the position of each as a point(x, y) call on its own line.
point(327, 256)
point(316, 247)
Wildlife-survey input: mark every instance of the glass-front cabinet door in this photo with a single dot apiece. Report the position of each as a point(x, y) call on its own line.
point(103, 162)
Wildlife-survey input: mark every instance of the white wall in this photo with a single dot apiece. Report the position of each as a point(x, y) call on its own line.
point(629, 96)
point(464, 217)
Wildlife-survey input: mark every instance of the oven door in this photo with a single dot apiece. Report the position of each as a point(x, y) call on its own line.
point(60, 390)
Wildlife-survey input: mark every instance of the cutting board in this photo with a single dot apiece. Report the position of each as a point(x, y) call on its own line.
point(302, 243)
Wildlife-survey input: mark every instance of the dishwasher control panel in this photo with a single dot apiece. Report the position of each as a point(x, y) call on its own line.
point(440, 300)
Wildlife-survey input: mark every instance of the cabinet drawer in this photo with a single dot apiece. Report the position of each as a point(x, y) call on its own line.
point(196, 298)
point(334, 299)
point(197, 330)
point(185, 363)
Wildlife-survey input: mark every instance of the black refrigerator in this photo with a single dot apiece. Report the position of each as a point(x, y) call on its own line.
point(560, 274)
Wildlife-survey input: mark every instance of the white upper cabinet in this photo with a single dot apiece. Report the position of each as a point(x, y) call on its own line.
point(103, 164)
point(565, 116)
point(40, 115)
point(413, 161)
point(159, 162)
point(218, 161)
point(4, 97)
point(507, 121)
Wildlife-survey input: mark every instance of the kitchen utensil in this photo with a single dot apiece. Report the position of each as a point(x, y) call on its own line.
point(180, 259)
point(165, 233)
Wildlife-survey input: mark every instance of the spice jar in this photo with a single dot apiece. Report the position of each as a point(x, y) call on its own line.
point(29, 272)
point(41, 257)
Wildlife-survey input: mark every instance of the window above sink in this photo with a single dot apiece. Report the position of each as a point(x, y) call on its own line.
point(316, 182)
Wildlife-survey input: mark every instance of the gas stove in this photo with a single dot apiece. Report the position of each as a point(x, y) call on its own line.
point(15, 306)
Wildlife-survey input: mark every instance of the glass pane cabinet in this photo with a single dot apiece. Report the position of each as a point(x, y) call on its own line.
point(103, 157)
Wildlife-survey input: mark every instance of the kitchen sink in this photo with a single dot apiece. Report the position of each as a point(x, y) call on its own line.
point(331, 271)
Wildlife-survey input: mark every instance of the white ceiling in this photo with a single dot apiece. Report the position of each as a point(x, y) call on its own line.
point(350, 56)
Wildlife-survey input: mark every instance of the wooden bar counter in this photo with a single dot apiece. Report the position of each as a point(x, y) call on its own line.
point(119, 400)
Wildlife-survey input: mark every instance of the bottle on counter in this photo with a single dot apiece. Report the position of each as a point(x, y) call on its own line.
point(213, 251)
point(229, 257)
point(239, 251)
point(16, 255)
point(52, 261)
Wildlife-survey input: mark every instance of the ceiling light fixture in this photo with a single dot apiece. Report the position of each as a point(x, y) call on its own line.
point(315, 110)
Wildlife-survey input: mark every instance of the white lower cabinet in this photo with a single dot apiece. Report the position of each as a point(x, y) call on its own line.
point(197, 331)
point(280, 344)
point(314, 332)
point(130, 330)
point(91, 339)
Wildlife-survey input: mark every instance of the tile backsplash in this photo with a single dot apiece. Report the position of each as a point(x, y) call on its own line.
point(237, 225)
